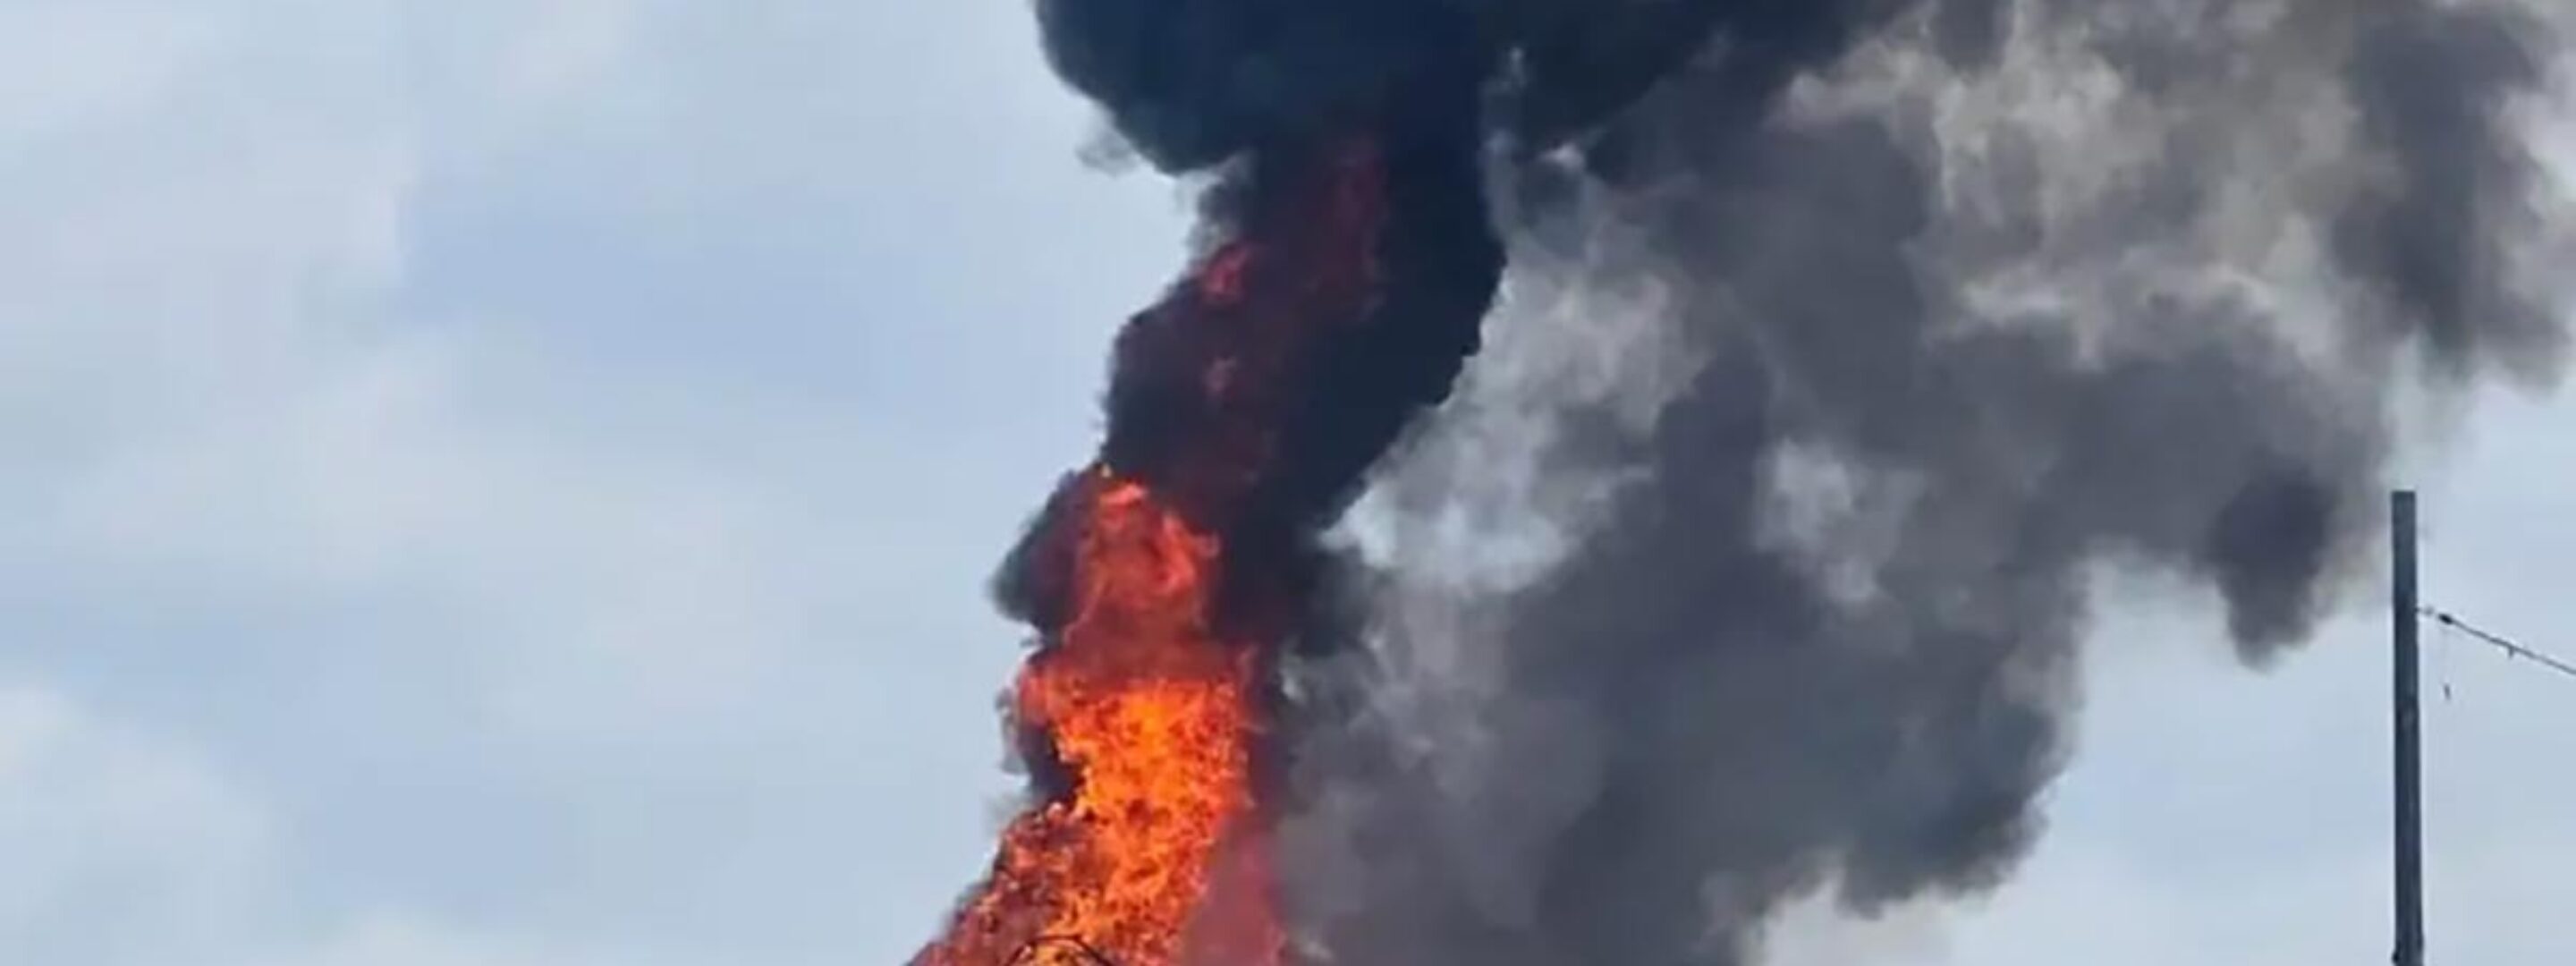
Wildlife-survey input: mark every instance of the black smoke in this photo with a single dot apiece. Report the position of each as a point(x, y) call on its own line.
point(1846, 342)
point(1194, 82)
point(1191, 83)
point(1837, 365)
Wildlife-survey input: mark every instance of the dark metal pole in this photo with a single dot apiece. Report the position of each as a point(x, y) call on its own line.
point(2410, 765)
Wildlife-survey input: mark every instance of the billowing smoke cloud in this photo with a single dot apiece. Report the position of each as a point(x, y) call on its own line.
point(1846, 342)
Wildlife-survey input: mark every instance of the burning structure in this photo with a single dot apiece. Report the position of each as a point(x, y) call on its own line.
point(1925, 309)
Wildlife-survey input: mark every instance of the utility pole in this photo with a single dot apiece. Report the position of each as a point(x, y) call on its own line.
point(2410, 764)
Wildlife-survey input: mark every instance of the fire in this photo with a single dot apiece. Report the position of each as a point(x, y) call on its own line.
point(1154, 717)
point(1165, 580)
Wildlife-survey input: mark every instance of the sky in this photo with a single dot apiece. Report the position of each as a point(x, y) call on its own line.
point(512, 482)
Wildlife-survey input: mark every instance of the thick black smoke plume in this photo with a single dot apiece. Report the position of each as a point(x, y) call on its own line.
point(1833, 370)
point(1846, 339)
point(1191, 83)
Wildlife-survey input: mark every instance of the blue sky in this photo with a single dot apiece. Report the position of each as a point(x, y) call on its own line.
point(507, 483)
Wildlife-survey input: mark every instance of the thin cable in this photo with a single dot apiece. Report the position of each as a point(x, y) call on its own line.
point(2500, 642)
point(2442, 664)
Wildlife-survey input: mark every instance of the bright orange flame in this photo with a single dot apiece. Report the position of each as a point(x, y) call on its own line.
point(1154, 718)
point(1151, 850)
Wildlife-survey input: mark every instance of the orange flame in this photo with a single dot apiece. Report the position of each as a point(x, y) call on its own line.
point(1151, 849)
point(1155, 719)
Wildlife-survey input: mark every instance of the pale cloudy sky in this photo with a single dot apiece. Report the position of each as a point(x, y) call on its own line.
point(510, 483)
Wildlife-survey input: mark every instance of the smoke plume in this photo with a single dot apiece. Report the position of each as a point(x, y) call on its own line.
point(1844, 343)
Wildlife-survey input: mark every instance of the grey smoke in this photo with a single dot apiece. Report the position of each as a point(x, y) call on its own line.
point(1810, 423)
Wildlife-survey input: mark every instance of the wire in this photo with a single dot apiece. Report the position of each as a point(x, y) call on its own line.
point(2442, 664)
point(2541, 658)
